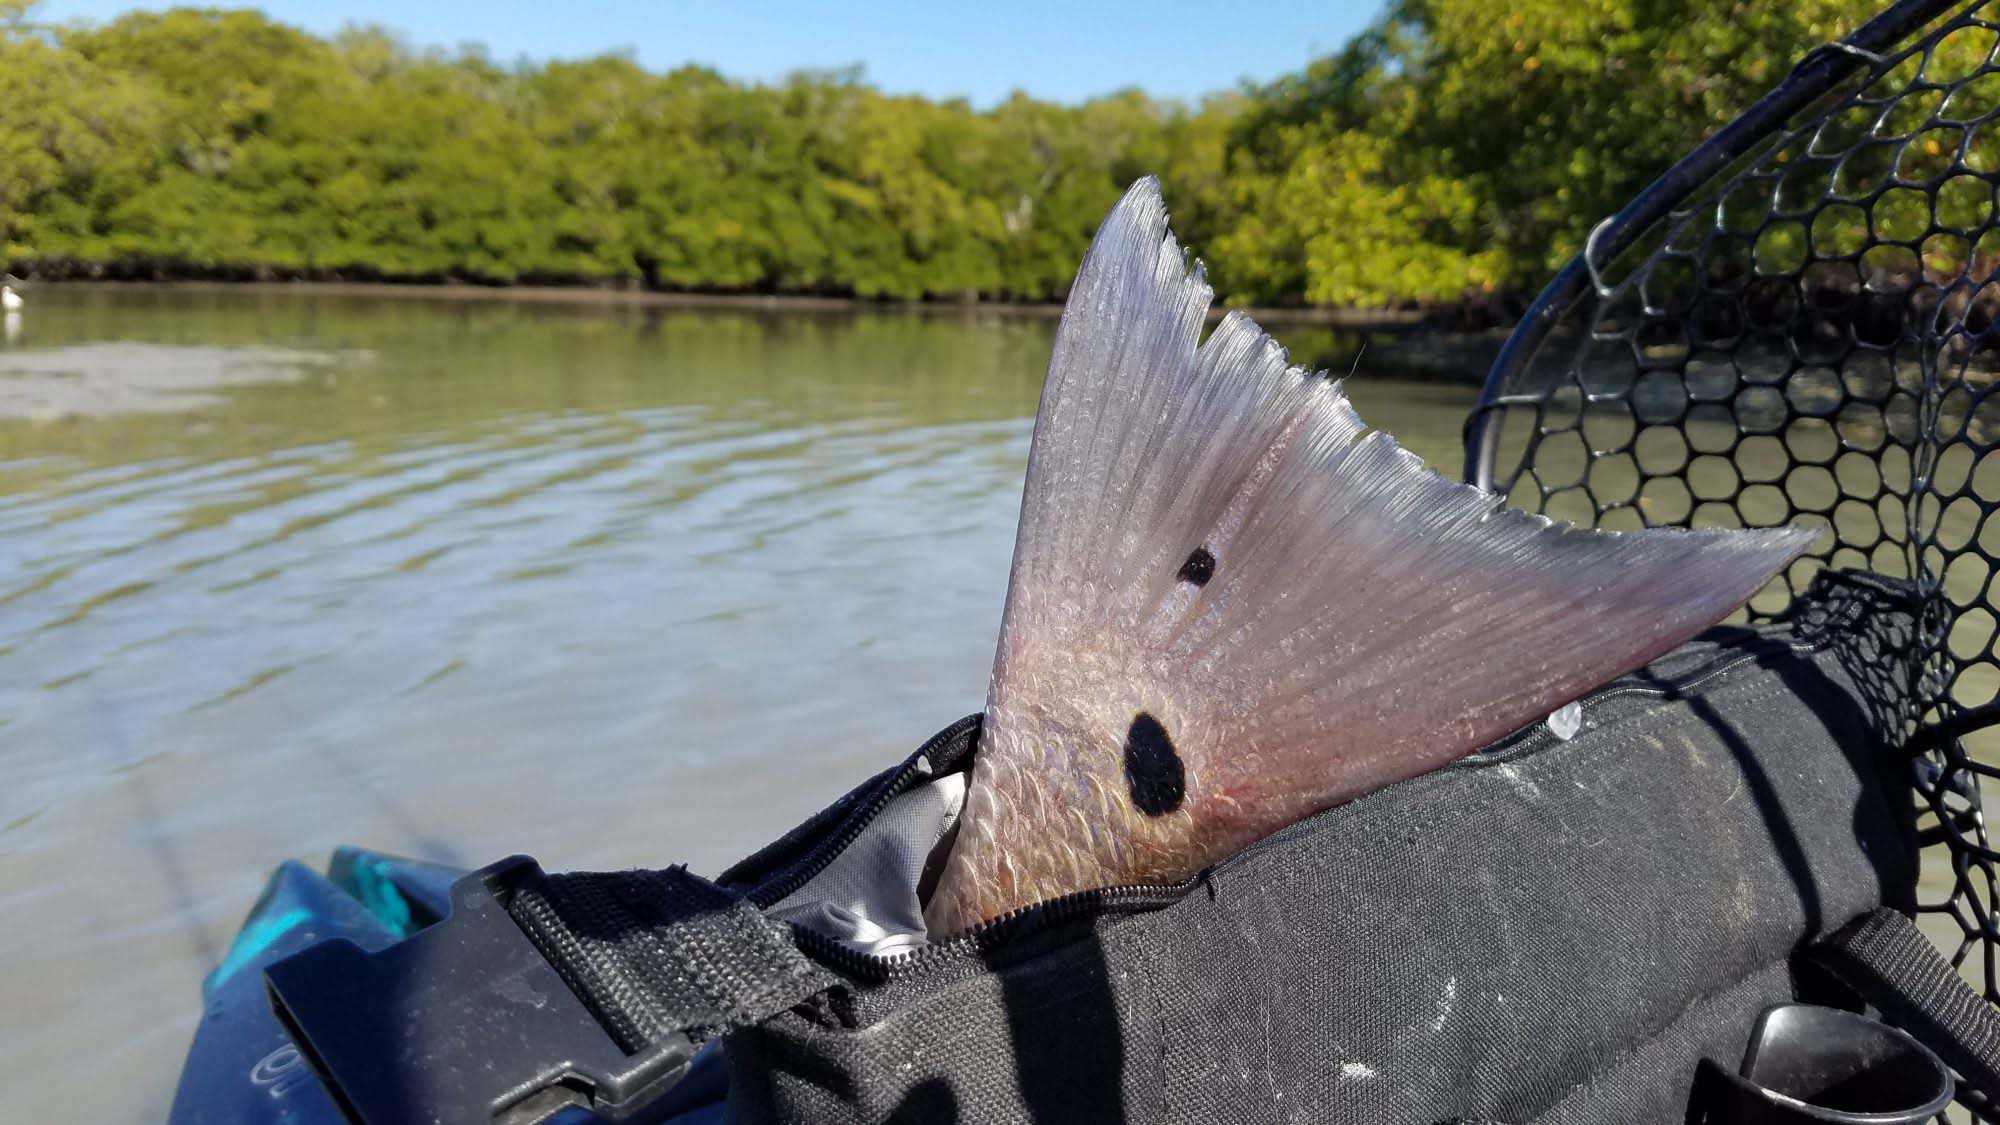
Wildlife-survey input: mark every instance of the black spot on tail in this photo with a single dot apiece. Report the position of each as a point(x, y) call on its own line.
point(1153, 767)
point(1199, 567)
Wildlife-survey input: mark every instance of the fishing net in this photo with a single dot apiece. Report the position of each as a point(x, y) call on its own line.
point(1801, 322)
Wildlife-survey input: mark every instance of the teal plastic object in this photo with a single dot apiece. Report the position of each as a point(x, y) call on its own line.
point(242, 1068)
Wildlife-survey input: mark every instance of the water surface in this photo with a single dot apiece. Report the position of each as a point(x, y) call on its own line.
point(610, 586)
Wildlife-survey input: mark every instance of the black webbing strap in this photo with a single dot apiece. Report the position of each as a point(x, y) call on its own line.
point(654, 953)
point(1884, 958)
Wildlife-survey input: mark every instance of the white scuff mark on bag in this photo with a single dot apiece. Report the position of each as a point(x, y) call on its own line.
point(1446, 1003)
point(1357, 1071)
point(1566, 721)
point(1513, 774)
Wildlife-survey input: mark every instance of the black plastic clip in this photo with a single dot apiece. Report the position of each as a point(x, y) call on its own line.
point(1809, 1065)
point(464, 1021)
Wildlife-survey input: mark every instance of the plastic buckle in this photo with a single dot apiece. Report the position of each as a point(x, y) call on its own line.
point(463, 1021)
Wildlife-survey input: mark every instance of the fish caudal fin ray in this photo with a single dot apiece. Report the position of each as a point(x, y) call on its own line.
point(1232, 605)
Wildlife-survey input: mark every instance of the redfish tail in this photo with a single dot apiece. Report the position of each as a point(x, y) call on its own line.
point(1217, 555)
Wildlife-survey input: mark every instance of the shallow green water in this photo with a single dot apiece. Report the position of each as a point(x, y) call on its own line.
point(460, 579)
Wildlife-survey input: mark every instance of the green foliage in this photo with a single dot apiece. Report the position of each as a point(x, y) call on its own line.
point(1454, 150)
point(218, 142)
point(1460, 148)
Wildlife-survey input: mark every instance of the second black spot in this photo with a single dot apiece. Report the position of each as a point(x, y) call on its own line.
point(1199, 567)
point(1153, 767)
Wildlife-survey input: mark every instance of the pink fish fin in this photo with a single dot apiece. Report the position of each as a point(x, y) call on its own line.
point(1232, 606)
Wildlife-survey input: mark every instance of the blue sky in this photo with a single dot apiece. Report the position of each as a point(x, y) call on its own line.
point(1059, 51)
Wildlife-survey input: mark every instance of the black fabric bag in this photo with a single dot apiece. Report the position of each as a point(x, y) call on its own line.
point(1553, 930)
point(1549, 931)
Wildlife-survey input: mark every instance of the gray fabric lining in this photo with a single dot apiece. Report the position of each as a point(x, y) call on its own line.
point(868, 898)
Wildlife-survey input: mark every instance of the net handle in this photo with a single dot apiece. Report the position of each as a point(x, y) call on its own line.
point(1814, 75)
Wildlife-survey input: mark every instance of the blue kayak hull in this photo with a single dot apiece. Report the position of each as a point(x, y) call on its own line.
point(242, 1068)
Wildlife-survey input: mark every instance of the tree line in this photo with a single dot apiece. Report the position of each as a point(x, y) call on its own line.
point(1455, 151)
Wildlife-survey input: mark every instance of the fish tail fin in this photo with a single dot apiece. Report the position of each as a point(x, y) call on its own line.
point(1217, 555)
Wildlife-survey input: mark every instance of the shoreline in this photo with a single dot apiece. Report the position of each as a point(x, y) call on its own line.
point(1397, 343)
point(608, 297)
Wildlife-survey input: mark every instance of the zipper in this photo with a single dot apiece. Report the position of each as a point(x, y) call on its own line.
point(1023, 920)
point(917, 768)
point(1007, 927)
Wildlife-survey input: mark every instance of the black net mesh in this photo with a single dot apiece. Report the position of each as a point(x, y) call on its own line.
point(1802, 323)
